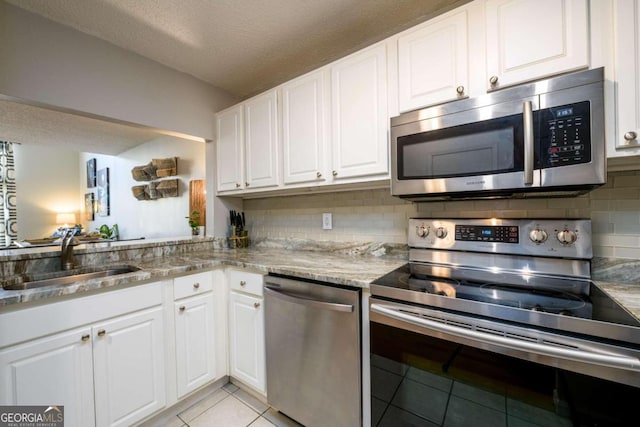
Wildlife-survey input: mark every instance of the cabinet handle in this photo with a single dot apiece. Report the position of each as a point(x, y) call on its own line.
point(242, 283)
point(334, 173)
point(182, 308)
point(237, 185)
point(630, 136)
point(85, 338)
point(460, 90)
point(493, 80)
point(196, 285)
point(101, 332)
point(246, 184)
point(318, 174)
point(256, 304)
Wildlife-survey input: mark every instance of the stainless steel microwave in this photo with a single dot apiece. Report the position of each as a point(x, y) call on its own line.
point(544, 138)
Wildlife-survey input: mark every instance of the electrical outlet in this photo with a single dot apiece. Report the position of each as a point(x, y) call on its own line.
point(327, 221)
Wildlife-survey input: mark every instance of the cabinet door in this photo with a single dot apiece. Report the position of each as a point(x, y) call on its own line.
point(195, 337)
point(129, 367)
point(359, 114)
point(432, 63)
point(261, 140)
point(246, 340)
point(627, 51)
point(229, 149)
point(304, 133)
point(56, 370)
point(529, 39)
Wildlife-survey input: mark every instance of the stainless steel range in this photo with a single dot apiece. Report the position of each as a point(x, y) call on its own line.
point(519, 289)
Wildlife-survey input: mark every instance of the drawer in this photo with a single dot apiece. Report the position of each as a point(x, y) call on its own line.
point(245, 282)
point(192, 284)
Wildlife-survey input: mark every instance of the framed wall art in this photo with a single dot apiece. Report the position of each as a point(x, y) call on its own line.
point(103, 192)
point(91, 173)
point(89, 207)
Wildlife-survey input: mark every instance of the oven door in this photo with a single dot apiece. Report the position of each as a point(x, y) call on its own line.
point(491, 373)
point(491, 148)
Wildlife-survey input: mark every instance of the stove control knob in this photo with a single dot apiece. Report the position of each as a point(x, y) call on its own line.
point(422, 231)
point(567, 237)
point(538, 236)
point(441, 232)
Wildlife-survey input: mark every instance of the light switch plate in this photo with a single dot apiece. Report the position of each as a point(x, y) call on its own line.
point(327, 221)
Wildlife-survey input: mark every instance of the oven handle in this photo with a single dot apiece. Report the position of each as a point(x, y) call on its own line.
point(527, 122)
point(623, 362)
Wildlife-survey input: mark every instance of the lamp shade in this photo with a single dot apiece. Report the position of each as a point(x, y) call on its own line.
point(66, 219)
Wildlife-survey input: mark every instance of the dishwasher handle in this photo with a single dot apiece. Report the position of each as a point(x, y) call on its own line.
point(346, 308)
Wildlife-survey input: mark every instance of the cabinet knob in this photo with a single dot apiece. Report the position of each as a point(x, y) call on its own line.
point(493, 80)
point(630, 136)
point(256, 304)
point(237, 185)
point(334, 173)
point(318, 174)
point(246, 184)
point(182, 308)
point(85, 338)
point(196, 285)
point(102, 333)
point(242, 283)
point(460, 90)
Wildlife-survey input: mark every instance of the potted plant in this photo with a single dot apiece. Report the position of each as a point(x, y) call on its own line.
point(194, 222)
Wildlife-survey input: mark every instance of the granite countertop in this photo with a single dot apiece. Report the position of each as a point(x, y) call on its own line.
point(340, 269)
point(619, 278)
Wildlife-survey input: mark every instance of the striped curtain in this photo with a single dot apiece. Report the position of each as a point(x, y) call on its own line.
point(8, 216)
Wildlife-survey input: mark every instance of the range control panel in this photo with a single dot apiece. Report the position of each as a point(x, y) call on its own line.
point(546, 237)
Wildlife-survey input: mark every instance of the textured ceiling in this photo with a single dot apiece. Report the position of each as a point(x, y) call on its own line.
point(241, 46)
point(29, 124)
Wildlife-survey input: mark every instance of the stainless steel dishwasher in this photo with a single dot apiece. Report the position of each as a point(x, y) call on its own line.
point(313, 351)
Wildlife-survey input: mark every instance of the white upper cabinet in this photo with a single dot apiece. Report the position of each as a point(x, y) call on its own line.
point(304, 128)
point(529, 39)
point(433, 62)
point(627, 65)
point(261, 140)
point(229, 149)
point(359, 114)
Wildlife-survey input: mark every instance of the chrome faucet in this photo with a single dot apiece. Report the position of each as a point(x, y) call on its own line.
point(66, 249)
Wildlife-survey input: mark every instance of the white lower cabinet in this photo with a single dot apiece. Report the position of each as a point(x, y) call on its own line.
point(108, 372)
point(247, 360)
point(195, 337)
point(55, 370)
point(128, 368)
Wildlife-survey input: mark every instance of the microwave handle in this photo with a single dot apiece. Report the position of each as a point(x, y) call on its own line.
point(527, 122)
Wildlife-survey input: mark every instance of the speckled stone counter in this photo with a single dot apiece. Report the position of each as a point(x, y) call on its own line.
point(620, 278)
point(348, 265)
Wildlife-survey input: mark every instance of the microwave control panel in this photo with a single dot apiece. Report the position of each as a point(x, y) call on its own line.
point(565, 135)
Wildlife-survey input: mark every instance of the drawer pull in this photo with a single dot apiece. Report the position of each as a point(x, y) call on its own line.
point(256, 304)
point(196, 285)
point(243, 283)
point(182, 308)
point(102, 333)
point(86, 338)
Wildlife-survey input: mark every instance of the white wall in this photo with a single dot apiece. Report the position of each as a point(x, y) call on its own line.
point(50, 63)
point(47, 180)
point(148, 218)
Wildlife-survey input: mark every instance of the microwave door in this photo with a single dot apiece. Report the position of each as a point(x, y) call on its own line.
point(488, 149)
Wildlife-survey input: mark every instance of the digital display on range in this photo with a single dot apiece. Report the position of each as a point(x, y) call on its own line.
point(487, 233)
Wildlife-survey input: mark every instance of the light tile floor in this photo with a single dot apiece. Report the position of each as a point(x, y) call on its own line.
point(228, 406)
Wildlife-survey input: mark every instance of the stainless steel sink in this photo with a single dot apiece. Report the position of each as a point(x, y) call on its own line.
point(61, 278)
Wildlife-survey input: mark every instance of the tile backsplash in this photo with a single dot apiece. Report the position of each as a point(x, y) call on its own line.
point(376, 216)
